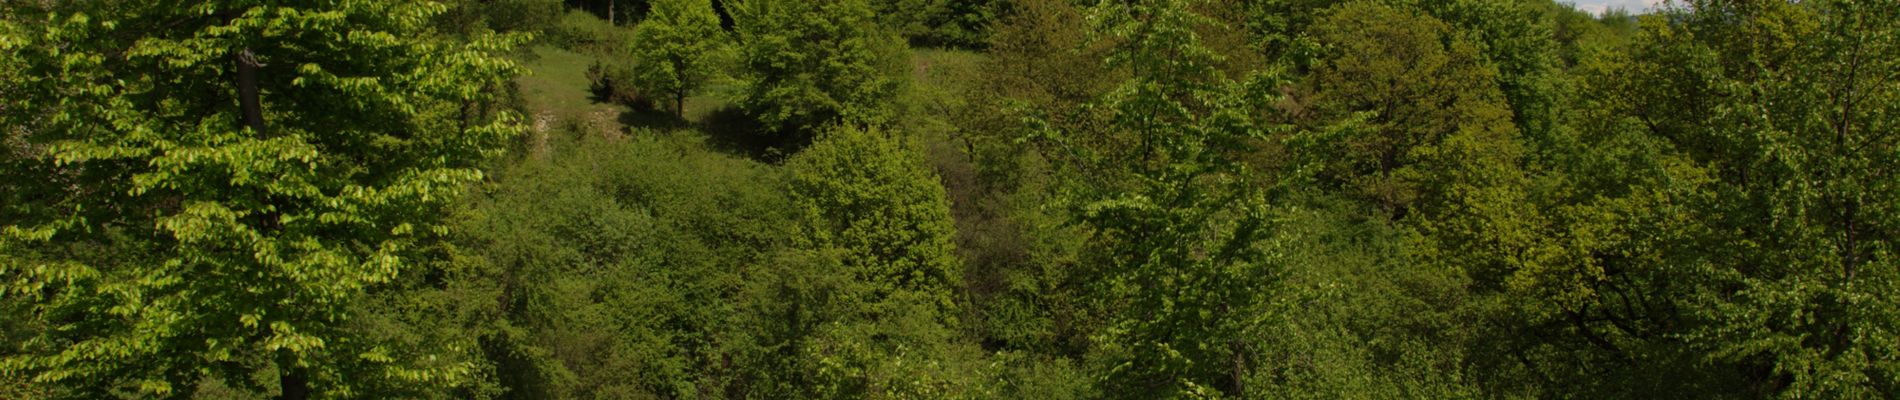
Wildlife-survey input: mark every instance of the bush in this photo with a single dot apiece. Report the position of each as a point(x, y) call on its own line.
point(618, 262)
point(616, 84)
point(471, 17)
point(947, 23)
point(585, 33)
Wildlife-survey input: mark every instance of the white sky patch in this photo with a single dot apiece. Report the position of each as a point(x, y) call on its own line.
point(1598, 6)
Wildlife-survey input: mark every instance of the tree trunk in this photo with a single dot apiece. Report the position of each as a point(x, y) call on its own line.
point(294, 383)
point(248, 97)
point(610, 12)
point(251, 105)
point(1240, 369)
point(679, 105)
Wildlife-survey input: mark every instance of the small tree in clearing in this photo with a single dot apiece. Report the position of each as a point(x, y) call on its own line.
point(676, 51)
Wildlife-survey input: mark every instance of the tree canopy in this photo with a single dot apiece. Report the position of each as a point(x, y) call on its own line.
point(214, 186)
point(961, 199)
point(809, 64)
point(678, 49)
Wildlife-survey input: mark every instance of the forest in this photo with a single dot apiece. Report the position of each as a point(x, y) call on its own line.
point(949, 199)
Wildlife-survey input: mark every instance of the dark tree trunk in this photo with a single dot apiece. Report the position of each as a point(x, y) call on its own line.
point(292, 380)
point(251, 105)
point(294, 383)
point(248, 98)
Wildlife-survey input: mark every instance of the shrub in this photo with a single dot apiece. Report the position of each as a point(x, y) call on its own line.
point(585, 33)
point(615, 84)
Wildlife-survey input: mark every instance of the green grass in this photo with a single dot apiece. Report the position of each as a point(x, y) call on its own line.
point(557, 79)
point(555, 90)
point(714, 97)
point(557, 87)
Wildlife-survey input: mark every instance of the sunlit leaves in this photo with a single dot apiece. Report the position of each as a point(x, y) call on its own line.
point(130, 121)
point(678, 49)
point(807, 64)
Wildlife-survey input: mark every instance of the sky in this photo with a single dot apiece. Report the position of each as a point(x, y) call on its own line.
point(1597, 6)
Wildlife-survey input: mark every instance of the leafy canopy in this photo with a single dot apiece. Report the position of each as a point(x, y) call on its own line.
point(213, 185)
point(677, 50)
point(806, 64)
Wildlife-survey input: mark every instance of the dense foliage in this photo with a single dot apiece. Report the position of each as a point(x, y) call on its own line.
point(1047, 199)
point(808, 64)
point(677, 50)
point(208, 193)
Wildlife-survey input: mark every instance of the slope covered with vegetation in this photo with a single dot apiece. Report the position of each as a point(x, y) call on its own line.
point(1043, 199)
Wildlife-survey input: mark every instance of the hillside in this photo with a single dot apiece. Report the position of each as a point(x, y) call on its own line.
point(949, 199)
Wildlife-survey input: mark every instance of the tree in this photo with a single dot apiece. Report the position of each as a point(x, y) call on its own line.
point(476, 16)
point(1175, 222)
point(615, 268)
point(1424, 91)
point(678, 49)
point(1042, 67)
point(1594, 307)
point(614, 11)
point(1027, 290)
point(963, 23)
point(876, 273)
point(909, 18)
point(873, 198)
point(1712, 221)
point(1789, 108)
point(1428, 146)
point(213, 187)
point(1516, 39)
point(807, 64)
point(1431, 144)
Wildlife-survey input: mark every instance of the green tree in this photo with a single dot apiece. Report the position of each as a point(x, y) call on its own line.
point(1041, 66)
point(909, 18)
point(210, 188)
point(873, 198)
point(1428, 145)
point(616, 12)
point(1715, 210)
point(1423, 93)
point(615, 268)
point(963, 23)
point(806, 64)
point(1022, 255)
point(1176, 224)
point(1516, 39)
point(678, 49)
point(1790, 107)
point(1432, 145)
point(476, 16)
point(1596, 307)
point(875, 274)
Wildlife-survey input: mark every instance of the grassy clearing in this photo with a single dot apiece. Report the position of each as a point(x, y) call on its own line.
point(556, 91)
point(715, 97)
point(557, 80)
